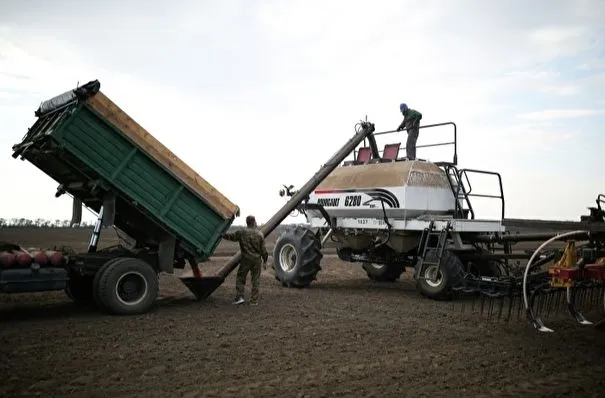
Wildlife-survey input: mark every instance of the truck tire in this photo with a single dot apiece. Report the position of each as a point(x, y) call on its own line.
point(450, 274)
point(296, 257)
point(79, 289)
point(97, 279)
point(143, 281)
point(383, 272)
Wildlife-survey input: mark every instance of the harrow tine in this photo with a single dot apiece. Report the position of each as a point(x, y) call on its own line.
point(536, 321)
point(510, 307)
point(594, 297)
point(570, 298)
point(558, 296)
point(519, 307)
point(549, 302)
point(501, 306)
point(539, 301)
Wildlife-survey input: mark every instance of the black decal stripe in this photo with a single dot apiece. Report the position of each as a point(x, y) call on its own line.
point(385, 198)
point(383, 194)
point(377, 193)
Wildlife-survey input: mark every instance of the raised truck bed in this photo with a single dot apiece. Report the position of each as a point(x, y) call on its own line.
point(109, 163)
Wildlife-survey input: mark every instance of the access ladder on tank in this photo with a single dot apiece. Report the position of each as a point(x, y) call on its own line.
point(462, 192)
point(432, 241)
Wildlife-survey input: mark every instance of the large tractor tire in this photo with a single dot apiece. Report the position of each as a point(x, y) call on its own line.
point(126, 286)
point(383, 272)
point(296, 257)
point(481, 267)
point(490, 268)
point(447, 275)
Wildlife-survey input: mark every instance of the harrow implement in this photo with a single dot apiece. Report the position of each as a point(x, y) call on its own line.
point(549, 285)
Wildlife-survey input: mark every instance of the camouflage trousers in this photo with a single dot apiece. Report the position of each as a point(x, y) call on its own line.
point(254, 268)
point(410, 146)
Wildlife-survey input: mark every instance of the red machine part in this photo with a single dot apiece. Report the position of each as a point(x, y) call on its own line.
point(40, 257)
point(595, 272)
point(563, 274)
point(23, 258)
point(55, 258)
point(7, 259)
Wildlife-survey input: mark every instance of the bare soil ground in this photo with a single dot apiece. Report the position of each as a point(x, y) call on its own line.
point(344, 336)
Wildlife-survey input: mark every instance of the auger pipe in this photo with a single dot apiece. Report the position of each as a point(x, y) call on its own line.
point(364, 131)
point(531, 259)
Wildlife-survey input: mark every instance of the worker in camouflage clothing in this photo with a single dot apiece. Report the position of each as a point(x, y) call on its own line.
point(411, 122)
point(254, 255)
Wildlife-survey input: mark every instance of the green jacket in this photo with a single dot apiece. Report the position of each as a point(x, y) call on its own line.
point(411, 116)
point(251, 243)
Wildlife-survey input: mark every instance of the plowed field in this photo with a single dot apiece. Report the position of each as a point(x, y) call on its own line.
point(344, 336)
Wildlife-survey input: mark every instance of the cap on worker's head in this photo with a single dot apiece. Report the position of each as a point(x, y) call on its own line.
point(403, 107)
point(250, 221)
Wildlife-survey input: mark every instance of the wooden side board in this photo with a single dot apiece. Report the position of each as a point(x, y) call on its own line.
point(116, 116)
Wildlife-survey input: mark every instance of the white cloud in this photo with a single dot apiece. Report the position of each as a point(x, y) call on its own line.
point(261, 93)
point(557, 34)
point(561, 89)
point(551, 114)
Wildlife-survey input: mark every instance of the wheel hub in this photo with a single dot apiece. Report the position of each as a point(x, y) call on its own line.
point(377, 267)
point(131, 288)
point(287, 257)
point(433, 276)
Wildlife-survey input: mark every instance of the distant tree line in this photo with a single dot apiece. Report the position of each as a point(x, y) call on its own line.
point(43, 223)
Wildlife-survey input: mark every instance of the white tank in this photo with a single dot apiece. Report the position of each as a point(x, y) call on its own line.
point(408, 188)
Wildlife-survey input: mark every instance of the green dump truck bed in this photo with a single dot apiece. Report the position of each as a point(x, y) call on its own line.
point(101, 156)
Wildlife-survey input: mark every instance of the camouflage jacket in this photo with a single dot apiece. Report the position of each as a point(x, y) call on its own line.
point(411, 117)
point(251, 243)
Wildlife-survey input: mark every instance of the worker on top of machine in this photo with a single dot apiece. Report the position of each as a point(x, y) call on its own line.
point(254, 254)
point(411, 122)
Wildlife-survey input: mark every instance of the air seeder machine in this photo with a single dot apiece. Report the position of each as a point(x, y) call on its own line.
point(390, 214)
point(385, 212)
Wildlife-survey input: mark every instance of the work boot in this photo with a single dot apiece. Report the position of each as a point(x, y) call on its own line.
point(238, 300)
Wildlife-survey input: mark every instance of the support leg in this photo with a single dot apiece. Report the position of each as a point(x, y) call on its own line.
point(94, 239)
point(195, 268)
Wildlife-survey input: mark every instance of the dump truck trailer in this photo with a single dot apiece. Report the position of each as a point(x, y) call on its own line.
point(105, 160)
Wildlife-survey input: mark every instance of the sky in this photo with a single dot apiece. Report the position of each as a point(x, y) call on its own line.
point(256, 94)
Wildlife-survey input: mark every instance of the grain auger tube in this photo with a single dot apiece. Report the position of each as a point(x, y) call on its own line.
point(203, 286)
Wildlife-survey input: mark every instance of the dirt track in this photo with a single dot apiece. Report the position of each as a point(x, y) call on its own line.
point(345, 336)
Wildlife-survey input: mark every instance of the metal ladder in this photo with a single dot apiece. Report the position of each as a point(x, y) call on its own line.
point(426, 244)
point(459, 192)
